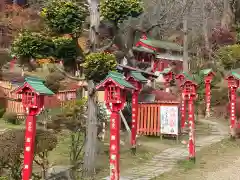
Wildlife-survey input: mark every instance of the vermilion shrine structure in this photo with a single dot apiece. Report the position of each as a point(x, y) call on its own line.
point(137, 80)
point(208, 75)
point(115, 87)
point(160, 54)
point(233, 84)
point(33, 92)
point(189, 93)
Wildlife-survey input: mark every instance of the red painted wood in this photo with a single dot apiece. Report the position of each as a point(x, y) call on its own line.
point(29, 144)
point(114, 145)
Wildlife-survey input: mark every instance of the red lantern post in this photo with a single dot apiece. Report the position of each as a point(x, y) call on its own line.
point(33, 92)
point(136, 79)
point(233, 84)
point(180, 79)
point(168, 77)
point(115, 87)
point(189, 93)
point(208, 76)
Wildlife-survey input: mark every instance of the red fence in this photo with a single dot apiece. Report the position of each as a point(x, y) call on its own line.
point(149, 120)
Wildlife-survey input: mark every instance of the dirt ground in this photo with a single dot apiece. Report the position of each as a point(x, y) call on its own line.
point(220, 161)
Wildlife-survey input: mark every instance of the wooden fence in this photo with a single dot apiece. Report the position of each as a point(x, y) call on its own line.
point(149, 120)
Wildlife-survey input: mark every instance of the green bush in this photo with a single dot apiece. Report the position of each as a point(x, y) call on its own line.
point(3, 178)
point(32, 45)
point(10, 117)
point(118, 11)
point(64, 16)
point(97, 65)
point(229, 56)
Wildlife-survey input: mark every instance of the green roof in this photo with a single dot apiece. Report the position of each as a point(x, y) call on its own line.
point(38, 86)
point(119, 78)
point(236, 75)
point(143, 49)
point(162, 44)
point(138, 76)
point(166, 70)
point(187, 76)
point(205, 71)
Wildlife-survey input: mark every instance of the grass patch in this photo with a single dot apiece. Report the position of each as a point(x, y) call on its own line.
point(186, 164)
point(208, 160)
point(6, 125)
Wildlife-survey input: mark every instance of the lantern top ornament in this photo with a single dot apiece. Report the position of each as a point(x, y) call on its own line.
point(166, 71)
point(233, 75)
point(36, 85)
point(184, 75)
point(188, 82)
point(207, 72)
point(116, 78)
point(138, 76)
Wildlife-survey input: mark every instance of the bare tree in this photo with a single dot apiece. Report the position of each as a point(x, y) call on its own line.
point(92, 122)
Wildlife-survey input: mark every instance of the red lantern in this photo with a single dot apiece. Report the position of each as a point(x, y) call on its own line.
point(208, 79)
point(33, 92)
point(233, 84)
point(115, 87)
point(136, 79)
point(189, 93)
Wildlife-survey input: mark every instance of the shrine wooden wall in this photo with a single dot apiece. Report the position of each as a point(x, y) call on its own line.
point(149, 118)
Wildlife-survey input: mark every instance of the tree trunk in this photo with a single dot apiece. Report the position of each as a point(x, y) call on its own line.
point(185, 40)
point(91, 139)
point(228, 16)
point(205, 30)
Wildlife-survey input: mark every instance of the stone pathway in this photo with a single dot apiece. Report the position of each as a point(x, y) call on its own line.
point(166, 160)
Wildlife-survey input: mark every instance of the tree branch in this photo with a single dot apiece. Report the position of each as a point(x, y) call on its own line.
point(107, 46)
point(68, 75)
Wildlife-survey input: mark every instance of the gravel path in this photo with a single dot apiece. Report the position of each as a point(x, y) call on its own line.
point(231, 172)
point(166, 160)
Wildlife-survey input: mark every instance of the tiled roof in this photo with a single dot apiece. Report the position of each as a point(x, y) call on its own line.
point(205, 71)
point(143, 49)
point(236, 75)
point(118, 78)
point(162, 44)
point(166, 70)
point(38, 86)
point(138, 76)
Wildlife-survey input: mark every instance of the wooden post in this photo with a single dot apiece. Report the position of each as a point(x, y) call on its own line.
point(114, 145)
point(29, 144)
point(232, 110)
point(134, 120)
point(208, 97)
point(183, 112)
point(191, 144)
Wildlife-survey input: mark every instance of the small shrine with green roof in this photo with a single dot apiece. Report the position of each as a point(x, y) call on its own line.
point(33, 91)
point(160, 54)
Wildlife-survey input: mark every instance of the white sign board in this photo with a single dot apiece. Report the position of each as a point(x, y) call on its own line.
point(169, 120)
